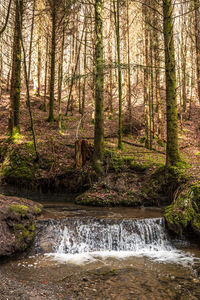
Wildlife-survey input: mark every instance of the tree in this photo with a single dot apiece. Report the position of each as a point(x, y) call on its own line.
point(53, 12)
point(14, 116)
point(172, 154)
point(7, 17)
point(117, 29)
point(197, 42)
point(99, 89)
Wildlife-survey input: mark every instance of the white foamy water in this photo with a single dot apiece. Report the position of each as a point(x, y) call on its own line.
point(83, 241)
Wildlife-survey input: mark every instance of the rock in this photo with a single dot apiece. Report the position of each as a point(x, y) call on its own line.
point(16, 224)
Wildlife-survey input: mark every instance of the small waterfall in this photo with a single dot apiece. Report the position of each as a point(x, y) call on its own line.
point(89, 235)
point(81, 240)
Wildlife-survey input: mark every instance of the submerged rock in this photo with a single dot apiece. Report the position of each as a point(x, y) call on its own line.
point(16, 224)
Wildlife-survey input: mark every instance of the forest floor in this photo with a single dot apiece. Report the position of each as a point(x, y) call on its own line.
point(125, 170)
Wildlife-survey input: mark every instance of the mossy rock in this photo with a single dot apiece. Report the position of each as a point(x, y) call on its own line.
point(24, 234)
point(37, 210)
point(184, 213)
point(23, 211)
point(109, 200)
point(18, 166)
point(20, 210)
point(91, 200)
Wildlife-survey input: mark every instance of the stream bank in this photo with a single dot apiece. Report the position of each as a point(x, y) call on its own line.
point(132, 177)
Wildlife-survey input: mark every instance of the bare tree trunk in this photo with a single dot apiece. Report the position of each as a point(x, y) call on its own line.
point(53, 60)
point(129, 71)
point(60, 79)
point(146, 80)
point(74, 73)
point(31, 41)
point(99, 90)
point(46, 73)
point(84, 79)
point(117, 29)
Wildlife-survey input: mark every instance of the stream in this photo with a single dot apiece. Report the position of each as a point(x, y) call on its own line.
point(104, 253)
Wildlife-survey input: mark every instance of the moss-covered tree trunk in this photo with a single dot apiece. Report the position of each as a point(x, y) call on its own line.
point(146, 78)
point(197, 41)
point(14, 114)
point(99, 89)
point(117, 29)
point(172, 154)
point(53, 60)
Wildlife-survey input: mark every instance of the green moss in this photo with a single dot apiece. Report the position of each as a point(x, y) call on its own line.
point(172, 175)
point(142, 140)
point(20, 210)
point(184, 212)
point(17, 137)
point(91, 200)
point(37, 210)
point(197, 153)
point(138, 167)
point(24, 234)
point(19, 163)
point(117, 161)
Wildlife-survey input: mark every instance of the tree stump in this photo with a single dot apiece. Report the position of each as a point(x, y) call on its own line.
point(83, 152)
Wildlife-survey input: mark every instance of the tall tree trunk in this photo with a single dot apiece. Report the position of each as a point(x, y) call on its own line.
point(84, 80)
point(117, 29)
point(110, 51)
point(99, 90)
point(46, 72)
point(1, 67)
point(151, 96)
point(157, 59)
point(146, 79)
point(197, 42)
point(172, 154)
point(60, 79)
point(74, 73)
point(129, 71)
point(31, 41)
point(14, 115)
point(28, 97)
point(39, 59)
point(53, 58)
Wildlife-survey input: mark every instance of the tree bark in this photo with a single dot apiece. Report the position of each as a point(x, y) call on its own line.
point(172, 154)
point(53, 58)
point(14, 114)
point(99, 90)
point(117, 29)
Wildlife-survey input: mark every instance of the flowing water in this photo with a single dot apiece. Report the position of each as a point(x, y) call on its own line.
point(105, 254)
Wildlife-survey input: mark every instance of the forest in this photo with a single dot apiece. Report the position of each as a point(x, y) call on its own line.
point(99, 110)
